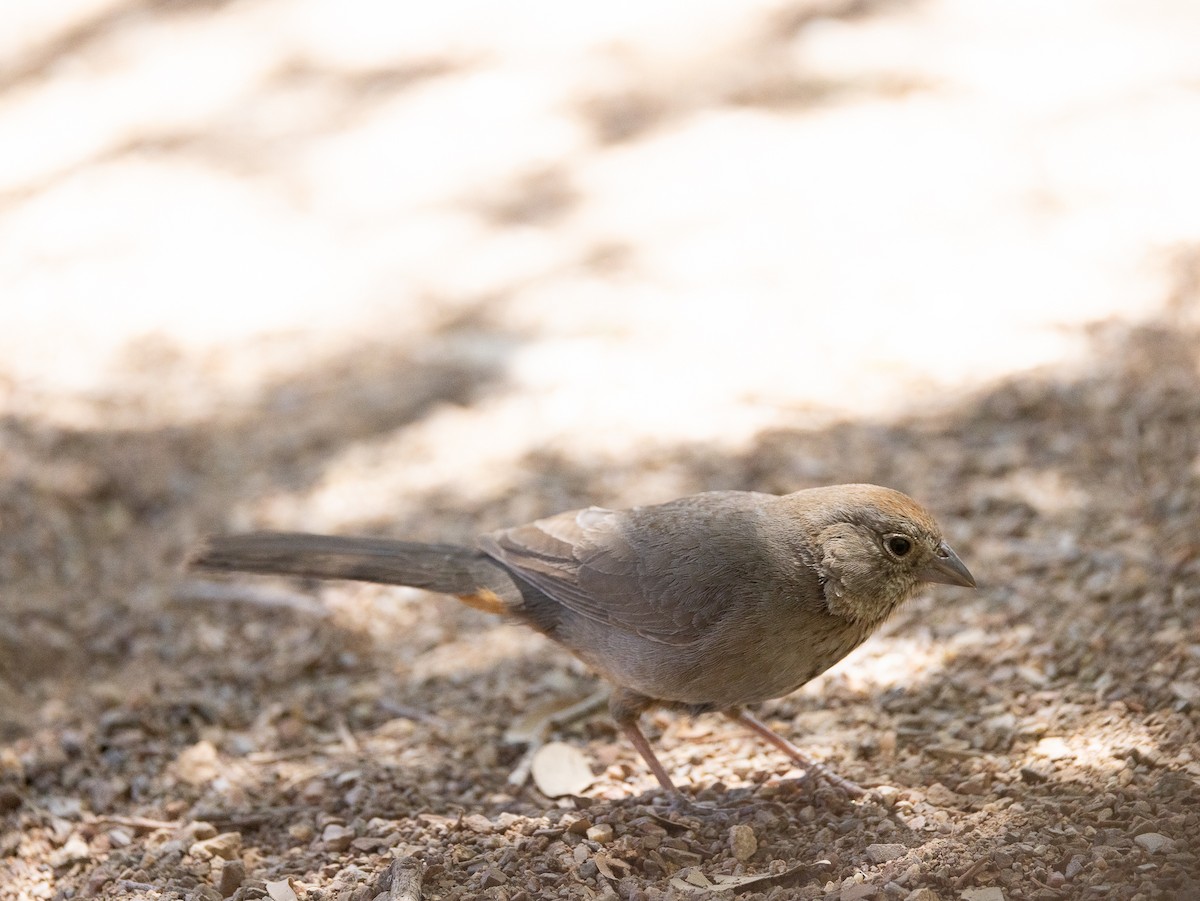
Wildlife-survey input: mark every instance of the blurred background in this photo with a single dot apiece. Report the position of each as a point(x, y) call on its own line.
point(428, 269)
point(635, 223)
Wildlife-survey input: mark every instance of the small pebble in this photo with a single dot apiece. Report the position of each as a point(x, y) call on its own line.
point(888, 795)
point(10, 798)
point(74, 850)
point(742, 841)
point(882, 853)
point(337, 838)
point(1153, 841)
point(226, 846)
point(301, 831)
point(199, 830)
point(230, 878)
point(493, 877)
point(601, 832)
point(858, 891)
point(477, 822)
point(940, 796)
point(578, 825)
point(1033, 776)
point(198, 764)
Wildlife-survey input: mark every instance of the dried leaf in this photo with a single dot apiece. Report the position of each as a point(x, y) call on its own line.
point(560, 769)
point(691, 879)
point(281, 890)
point(605, 862)
point(534, 724)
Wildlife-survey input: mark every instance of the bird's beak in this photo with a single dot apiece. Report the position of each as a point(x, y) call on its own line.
point(947, 569)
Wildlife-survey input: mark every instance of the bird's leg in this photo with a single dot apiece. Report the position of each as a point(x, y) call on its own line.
point(634, 733)
point(626, 706)
point(759, 728)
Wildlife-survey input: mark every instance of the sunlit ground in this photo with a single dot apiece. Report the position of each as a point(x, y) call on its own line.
point(689, 224)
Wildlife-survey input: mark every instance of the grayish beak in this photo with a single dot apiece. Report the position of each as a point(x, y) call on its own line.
point(947, 569)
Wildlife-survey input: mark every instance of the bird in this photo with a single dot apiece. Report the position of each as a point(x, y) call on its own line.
point(710, 602)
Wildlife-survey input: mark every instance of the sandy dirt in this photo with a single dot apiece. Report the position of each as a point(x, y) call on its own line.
point(324, 266)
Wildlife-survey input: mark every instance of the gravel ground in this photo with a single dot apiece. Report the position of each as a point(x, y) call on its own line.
point(164, 738)
point(316, 266)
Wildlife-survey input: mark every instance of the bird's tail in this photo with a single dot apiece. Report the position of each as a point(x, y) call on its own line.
point(467, 573)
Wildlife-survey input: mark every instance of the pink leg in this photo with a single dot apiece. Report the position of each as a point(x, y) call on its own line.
point(638, 740)
point(759, 728)
point(625, 706)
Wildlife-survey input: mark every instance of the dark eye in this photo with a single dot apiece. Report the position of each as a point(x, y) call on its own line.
point(898, 545)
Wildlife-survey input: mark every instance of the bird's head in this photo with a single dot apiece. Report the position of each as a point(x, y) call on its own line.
point(873, 546)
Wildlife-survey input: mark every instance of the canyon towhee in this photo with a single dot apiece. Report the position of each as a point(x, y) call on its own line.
point(709, 602)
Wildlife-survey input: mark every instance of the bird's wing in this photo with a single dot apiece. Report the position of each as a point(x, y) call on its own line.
point(653, 570)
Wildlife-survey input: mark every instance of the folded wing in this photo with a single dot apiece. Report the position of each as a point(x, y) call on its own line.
point(666, 573)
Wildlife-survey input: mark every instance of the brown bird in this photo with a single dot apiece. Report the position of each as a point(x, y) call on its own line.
point(709, 602)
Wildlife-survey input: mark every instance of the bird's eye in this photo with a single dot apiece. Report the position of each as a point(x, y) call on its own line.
point(898, 545)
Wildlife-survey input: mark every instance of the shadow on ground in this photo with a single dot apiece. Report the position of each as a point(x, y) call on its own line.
point(1032, 730)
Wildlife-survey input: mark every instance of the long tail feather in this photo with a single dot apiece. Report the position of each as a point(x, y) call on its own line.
point(446, 568)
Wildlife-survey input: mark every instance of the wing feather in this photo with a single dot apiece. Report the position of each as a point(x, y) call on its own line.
point(654, 571)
